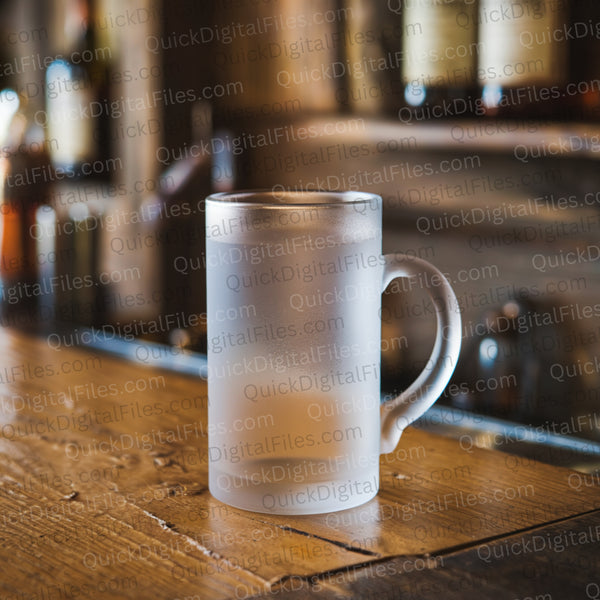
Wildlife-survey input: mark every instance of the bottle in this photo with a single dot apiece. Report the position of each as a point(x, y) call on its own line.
point(439, 59)
point(69, 124)
point(77, 100)
point(26, 181)
point(78, 133)
point(174, 217)
point(583, 89)
point(373, 55)
point(523, 57)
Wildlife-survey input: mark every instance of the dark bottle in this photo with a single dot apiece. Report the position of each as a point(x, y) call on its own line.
point(373, 53)
point(27, 179)
point(177, 223)
point(583, 88)
point(78, 102)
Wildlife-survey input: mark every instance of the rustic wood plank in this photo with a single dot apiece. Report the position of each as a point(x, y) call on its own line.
point(561, 560)
point(119, 552)
point(417, 515)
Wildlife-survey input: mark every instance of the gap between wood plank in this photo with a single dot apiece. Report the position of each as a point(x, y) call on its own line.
point(166, 526)
point(344, 545)
point(279, 583)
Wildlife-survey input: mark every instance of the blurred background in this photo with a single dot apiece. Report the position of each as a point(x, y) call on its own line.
point(478, 122)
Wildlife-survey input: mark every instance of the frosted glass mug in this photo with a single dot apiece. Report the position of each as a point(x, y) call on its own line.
point(294, 284)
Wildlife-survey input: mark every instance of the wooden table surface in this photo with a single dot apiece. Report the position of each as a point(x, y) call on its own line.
point(103, 494)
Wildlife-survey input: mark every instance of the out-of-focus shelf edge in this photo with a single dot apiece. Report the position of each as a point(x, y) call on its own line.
point(490, 135)
point(150, 354)
point(478, 430)
point(536, 443)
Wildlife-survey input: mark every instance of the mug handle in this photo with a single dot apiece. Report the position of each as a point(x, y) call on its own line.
point(402, 410)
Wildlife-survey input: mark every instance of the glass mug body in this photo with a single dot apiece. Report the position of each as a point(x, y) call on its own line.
point(294, 284)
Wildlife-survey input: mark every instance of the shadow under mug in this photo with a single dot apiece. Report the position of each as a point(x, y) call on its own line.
point(294, 284)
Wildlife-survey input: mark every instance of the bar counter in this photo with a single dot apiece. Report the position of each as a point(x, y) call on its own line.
point(103, 494)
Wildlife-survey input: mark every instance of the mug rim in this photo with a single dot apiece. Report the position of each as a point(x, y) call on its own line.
point(272, 198)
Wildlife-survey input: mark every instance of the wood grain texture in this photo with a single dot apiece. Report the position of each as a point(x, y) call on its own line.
point(103, 489)
point(553, 562)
